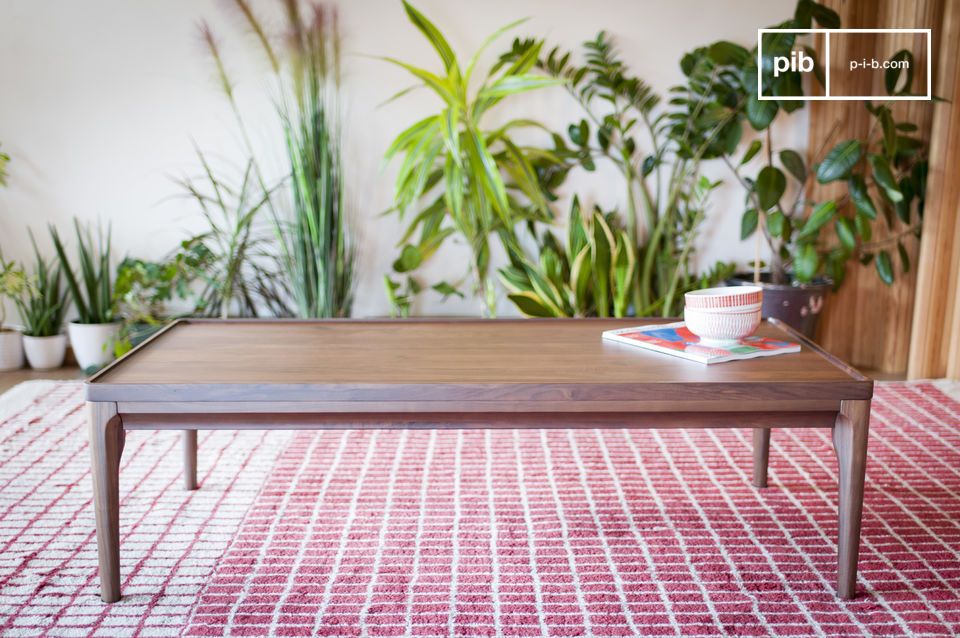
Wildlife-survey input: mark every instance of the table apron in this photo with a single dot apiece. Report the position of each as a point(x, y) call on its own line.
point(473, 420)
point(485, 407)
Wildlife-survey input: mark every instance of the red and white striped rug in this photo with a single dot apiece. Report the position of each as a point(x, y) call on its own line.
point(481, 533)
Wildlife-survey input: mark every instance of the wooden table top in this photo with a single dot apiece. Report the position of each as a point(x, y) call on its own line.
point(450, 360)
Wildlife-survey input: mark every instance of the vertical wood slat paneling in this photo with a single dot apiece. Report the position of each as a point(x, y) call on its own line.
point(935, 343)
point(867, 322)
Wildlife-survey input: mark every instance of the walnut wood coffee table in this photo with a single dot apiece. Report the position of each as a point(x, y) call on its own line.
point(273, 375)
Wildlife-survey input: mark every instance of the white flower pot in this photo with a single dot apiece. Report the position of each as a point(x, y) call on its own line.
point(11, 349)
point(45, 353)
point(93, 343)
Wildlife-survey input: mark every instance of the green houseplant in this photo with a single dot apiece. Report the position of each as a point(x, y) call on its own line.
point(43, 306)
point(236, 265)
point(4, 160)
point(811, 242)
point(665, 194)
point(13, 283)
point(144, 289)
point(317, 257)
point(95, 330)
point(460, 178)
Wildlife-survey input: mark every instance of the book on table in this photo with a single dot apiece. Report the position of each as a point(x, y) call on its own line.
point(677, 340)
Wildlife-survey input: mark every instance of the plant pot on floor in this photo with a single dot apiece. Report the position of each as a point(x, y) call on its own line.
point(11, 349)
point(93, 343)
point(45, 353)
point(799, 306)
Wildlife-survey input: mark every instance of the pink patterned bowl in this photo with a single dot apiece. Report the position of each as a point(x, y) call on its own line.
point(719, 328)
point(727, 297)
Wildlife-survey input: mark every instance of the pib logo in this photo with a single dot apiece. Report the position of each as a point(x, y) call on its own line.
point(797, 61)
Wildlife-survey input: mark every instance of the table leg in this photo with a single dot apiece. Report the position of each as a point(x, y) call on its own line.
point(106, 446)
point(761, 456)
point(189, 459)
point(850, 442)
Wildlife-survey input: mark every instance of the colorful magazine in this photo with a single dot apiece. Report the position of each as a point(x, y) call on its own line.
point(675, 339)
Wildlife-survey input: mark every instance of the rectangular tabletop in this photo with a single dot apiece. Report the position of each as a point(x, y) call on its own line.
point(550, 364)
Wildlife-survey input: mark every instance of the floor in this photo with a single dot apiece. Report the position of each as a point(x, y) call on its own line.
point(15, 377)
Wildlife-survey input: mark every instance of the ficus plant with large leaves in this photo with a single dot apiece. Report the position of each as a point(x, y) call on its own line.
point(884, 173)
point(460, 178)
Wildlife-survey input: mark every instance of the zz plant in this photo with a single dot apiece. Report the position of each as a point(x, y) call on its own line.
point(459, 177)
point(664, 192)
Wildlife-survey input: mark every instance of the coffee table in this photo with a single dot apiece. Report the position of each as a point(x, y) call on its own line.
point(273, 375)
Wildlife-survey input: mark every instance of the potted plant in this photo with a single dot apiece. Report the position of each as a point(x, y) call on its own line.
point(462, 177)
point(93, 332)
point(13, 283)
point(811, 241)
point(42, 307)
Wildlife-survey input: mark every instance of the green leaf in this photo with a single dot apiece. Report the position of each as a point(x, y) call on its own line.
point(860, 197)
point(904, 257)
point(410, 259)
point(760, 112)
point(440, 86)
point(752, 151)
point(514, 84)
point(447, 290)
point(806, 263)
point(770, 185)
point(884, 177)
point(748, 223)
point(838, 162)
point(846, 233)
point(776, 223)
point(820, 216)
point(433, 35)
point(864, 228)
point(724, 53)
point(885, 267)
point(530, 304)
point(794, 163)
point(891, 77)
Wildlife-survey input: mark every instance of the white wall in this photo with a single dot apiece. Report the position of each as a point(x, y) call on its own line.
point(101, 100)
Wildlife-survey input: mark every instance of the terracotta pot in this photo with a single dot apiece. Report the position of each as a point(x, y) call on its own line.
point(799, 306)
point(45, 353)
point(11, 349)
point(93, 343)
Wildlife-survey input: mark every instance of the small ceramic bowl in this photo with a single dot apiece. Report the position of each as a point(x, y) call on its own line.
point(721, 328)
point(729, 297)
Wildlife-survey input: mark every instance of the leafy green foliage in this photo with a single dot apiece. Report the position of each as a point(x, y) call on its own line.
point(665, 196)
point(43, 304)
point(462, 178)
point(13, 283)
point(591, 275)
point(884, 172)
point(237, 267)
point(92, 292)
point(317, 256)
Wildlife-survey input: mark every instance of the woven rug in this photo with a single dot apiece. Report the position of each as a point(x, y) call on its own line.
point(481, 533)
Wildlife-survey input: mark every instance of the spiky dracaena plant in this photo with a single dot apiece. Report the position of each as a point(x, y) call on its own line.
point(317, 254)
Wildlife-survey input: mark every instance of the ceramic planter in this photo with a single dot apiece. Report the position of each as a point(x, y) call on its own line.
point(11, 349)
point(45, 353)
point(93, 343)
point(799, 306)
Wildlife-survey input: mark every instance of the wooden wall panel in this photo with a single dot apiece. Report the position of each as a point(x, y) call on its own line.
point(866, 322)
point(935, 343)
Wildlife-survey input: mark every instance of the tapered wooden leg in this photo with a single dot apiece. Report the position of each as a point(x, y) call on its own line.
point(761, 456)
point(106, 446)
point(189, 459)
point(850, 442)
